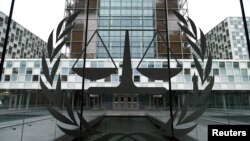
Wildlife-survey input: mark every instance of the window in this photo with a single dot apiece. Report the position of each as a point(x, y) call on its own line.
point(245, 79)
point(29, 71)
point(248, 64)
point(9, 64)
point(136, 78)
point(229, 64)
point(14, 77)
point(35, 78)
point(150, 64)
point(114, 78)
point(188, 78)
point(236, 64)
point(223, 72)
point(216, 71)
point(64, 78)
point(222, 64)
point(37, 64)
point(165, 64)
point(65, 71)
point(244, 72)
point(28, 77)
point(7, 78)
point(22, 71)
point(23, 64)
point(187, 71)
point(231, 78)
point(15, 71)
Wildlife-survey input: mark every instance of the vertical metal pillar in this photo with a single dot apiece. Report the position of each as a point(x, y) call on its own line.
point(245, 26)
point(169, 79)
point(84, 65)
point(6, 38)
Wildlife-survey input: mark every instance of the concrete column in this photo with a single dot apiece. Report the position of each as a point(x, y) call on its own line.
point(101, 106)
point(150, 105)
point(224, 101)
point(179, 102)
point(28, 100)
point(73, 100)
point(249, 100)
point(164, 101)
point(20, 101)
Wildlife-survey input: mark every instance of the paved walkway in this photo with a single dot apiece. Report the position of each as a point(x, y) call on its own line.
point(43, 127)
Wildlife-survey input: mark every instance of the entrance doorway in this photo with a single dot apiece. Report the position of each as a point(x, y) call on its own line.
point(94, 101)
point(157, 101)
point(125, 102)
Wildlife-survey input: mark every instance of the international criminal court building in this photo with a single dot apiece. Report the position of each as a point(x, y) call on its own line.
point(121, 62)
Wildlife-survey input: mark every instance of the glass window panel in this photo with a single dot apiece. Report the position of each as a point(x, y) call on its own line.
point(236, 64)
point(237, 72)
point(245, 79)
point(23, 64)
point(229, 72)
point(14, 78)
point(9, 64)
point(231, 78)
point(244, 72)
point(188, 78)
point(223, 79)
point(229, 64)
point(186, 71)
point(7, 78)
point(216, 71)
point(237, 79)
point(64, 78)
point(223, 72)
point(93, 64)
point(150, 64)
point(29, 71)
point(22, 71)
point(35, 78)
point(222, 64)
point(37, 64)
point(158, 65)
point(15, 71)
point(28, 77)
point(65, 71)
point(21, 78)
point(114, 78)
point(215, 65)
point(137, 78)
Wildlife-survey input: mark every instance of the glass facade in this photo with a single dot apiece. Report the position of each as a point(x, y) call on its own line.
point(120, 15)
point(143, 18)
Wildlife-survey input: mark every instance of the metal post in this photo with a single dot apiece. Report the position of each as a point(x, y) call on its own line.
point(169, 79)
point(6, 38)
point(245, 26)
point(84, 65)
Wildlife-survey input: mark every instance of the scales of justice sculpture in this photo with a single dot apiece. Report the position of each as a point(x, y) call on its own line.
point(172, 129)
point(127, 85)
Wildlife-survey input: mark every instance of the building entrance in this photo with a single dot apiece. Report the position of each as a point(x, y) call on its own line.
point(94, 101)
point(157, 101)
point(125, 102)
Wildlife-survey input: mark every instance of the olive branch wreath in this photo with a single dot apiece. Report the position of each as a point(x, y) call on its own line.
point(56, 96)
point(74, 119)
point(199, 98)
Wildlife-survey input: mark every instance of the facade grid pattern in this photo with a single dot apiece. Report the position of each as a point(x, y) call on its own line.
point(22, 43)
